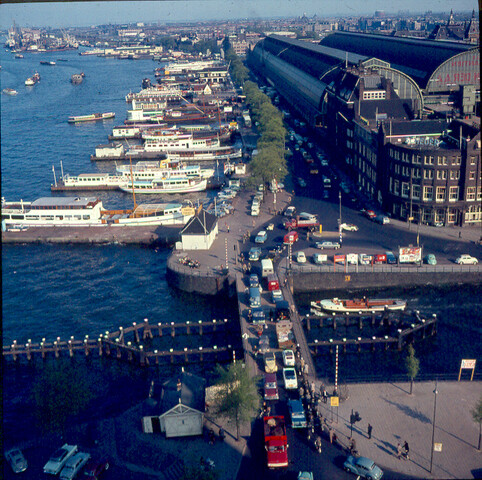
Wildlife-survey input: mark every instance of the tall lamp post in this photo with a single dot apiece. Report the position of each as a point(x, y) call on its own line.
point(339, 220)
point(435, 392)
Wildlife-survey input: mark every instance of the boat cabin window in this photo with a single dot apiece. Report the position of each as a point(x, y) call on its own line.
point(18, 217)
point(32, 217)
point(47, 217)
point(60, 217)
point(86, 217)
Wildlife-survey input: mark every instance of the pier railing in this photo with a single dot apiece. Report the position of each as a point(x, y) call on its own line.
point(340, 268)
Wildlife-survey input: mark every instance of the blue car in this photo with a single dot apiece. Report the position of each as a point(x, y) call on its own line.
point(364, 467)
point(430, 259)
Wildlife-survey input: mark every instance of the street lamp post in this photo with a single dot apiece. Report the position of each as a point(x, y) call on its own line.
point(435, 392)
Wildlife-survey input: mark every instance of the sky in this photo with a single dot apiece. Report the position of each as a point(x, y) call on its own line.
point(87, 13)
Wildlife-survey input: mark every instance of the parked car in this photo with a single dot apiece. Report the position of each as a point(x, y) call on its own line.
point(288, 358)
point(59, 458)
point(430, 259)
point(290, 211)
point(258, 316)
point(270, 365)
point(305, 476)
point(319, 258)
point(16, 460)
point(349, 227)
point(370, 214)
point(73, 465)
point(364, 467)
point(301, 182)
point(300, 257)
point(95, 468)
point(289, 378)
point(290, 237)
point(327, 244)
point(466, 259)
point(254, 253)
point(391, 258)
point(326, 194)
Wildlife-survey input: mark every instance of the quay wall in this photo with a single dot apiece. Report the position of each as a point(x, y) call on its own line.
point(149, 235)
point(310, 282)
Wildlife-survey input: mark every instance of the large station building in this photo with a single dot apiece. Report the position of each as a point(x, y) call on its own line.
point(400, 115)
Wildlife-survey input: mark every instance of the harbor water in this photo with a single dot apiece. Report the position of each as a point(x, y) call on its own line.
point(51, 291)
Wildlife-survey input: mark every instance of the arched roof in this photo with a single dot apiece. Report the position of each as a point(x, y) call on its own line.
point(418, 58)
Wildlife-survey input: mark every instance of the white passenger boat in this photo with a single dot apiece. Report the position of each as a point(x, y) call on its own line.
point(363, 305)
point(9, 91)
point(166, 185)
point(89, 181)
point(88, 212)
point(219, 153)
point(148, 170)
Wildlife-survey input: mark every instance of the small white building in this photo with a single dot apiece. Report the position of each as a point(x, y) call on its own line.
point(182, 407)
point(109, 150)
point(200, 232)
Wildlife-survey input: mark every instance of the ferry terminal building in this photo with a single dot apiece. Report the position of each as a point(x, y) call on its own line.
point(401, 116)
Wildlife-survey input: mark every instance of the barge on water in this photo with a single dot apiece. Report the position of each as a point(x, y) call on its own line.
point(363, 305)
point(92, 117)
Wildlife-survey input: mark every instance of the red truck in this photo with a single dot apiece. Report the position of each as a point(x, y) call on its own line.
point(276, 441)
point(303, 220)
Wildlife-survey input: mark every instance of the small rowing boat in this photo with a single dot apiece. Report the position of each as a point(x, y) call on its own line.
point(363, 305)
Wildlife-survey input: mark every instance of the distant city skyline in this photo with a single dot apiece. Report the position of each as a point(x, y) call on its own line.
point(82, 14)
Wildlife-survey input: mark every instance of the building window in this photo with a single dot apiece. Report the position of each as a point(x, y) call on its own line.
point(416, 192)
point(417, 159)
point(428, 160)
point(428, 174)
point(453, 194)
point(440, 194)
point(474, 214)
point(470, 193)
point(472, 160)
point(442, 160)
point(441, 174)
point(456, 161)
point(405, 189)
point(454, 174)
point(416, 173)
point(479, 193)
point(472, 175)
point(427, 193)
point(396, 187)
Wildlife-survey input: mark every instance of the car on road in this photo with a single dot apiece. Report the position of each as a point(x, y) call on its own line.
point(290, 237)
point(327, 244)
point(16, 460)
point(430, 259)
point(254, 253)
point(95, 468)
point(254, 281)
point(270, 387)
point(301, 182)
point(59, 458)
point(258, 317)
point(326, 194)
point(300, 257)
point(369, 214)
point(73, 465)
point(270, 365)
point(289, 378)
point(288, 358)
point(270, 226)
point(364, 467)
point(276, 295)
point(290, 211)
point(349, 227)
point(261, 237)
point(381, 219)
point(305, 476)
point(324, 162)
point(466, 259)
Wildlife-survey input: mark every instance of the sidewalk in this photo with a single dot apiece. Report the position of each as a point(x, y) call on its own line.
point(397, 417)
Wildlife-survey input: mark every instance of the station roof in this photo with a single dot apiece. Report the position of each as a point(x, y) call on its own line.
point(418, 58)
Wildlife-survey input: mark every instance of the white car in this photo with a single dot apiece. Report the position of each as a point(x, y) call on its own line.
point(289, 378)
point(276, 295)
point(326, 244)
point(288, 358)
point(466, 259)
point(349, 227)
point(301, 257)
point(59, 458)
point(73, 465)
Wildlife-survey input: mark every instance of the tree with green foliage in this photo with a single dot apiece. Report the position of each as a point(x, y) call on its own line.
point(60, 392)
point(237, 397)
point(412, 364)
point(267, 165)
point(477, 416)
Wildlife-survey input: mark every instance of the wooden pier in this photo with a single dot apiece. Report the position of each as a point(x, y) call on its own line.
point(135, 344)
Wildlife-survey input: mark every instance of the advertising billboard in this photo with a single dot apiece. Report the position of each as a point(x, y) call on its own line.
point(410, 254)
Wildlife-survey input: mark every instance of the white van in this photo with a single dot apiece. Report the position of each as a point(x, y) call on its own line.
point(266, 267)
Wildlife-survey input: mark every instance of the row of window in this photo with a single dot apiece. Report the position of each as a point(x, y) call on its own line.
point(427, 159)
point(428, 191)
point(46, 217)
point(428, 174)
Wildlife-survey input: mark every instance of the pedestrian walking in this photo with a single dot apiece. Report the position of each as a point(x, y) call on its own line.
point(305, 369)
point(399, 451)
point(331, 433)
point(249, 267)
point(313, 388)
point(369, 431)
point(228, 228)
point(406, 451)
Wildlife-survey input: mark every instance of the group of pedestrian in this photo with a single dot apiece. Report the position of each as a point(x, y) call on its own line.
point(403, 451)
point(246, 267)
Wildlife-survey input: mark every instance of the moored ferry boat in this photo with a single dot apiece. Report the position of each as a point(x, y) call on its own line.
point(91, 117)
point(88, 212)
point(363, 305)
point(219, 153)
point(88, 181)
point(166, 185)
point(147, 170)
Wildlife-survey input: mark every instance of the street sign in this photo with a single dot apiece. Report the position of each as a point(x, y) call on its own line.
point(437, 447)
point(335, 401)
point(467, 364)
